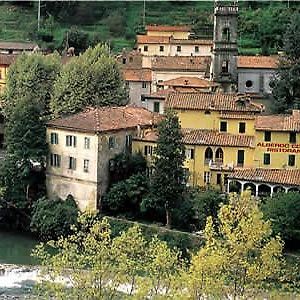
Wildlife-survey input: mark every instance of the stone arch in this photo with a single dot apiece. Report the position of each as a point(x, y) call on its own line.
point(208, 155)
point(250, 186)
point(264, 190)
point(219, 156)
point(278, 189)
point(293, 189)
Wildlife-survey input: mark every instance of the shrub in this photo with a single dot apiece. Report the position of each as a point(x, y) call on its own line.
point(77, 39)
point(53, 218)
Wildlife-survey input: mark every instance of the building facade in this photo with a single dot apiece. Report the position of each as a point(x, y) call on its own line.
point(81, 147)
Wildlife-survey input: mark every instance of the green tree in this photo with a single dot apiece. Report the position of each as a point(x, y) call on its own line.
point(239, 255)
point(53, 218)
point(286, 84)
point(283, 209)
point(101, 267)
point(92, 79)
point(31, 76)
point(167, 184)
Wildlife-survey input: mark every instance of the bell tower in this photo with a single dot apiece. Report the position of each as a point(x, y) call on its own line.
point(225, 50)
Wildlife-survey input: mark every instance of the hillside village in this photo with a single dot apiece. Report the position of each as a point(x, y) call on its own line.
point(181, 133)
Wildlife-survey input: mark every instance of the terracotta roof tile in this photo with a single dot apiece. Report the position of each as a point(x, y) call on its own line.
point(186, 63)
point(17, 46)
point(206, 137)
point(189, 82)
point(191, 42)
point(137, 74)
point(146, 39)
point(106, 119)
point(237, 116)
point(164, 28)
point(258, 62)
point(275, 176)
point(7, 59)
point(212, 101)
point(279, 122)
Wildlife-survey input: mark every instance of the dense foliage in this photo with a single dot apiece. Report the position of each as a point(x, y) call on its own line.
point(286, 84)
point(53, 218)
point(92, 79)
point(238, 259)
point(283, 209)
point(167, 184)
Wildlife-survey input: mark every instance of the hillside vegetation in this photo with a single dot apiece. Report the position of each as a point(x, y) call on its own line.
point(261, 24)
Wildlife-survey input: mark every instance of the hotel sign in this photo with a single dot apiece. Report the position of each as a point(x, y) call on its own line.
point(280, 147)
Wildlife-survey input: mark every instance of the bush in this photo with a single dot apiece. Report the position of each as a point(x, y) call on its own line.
point(77, 39)
point(53, 218)
point(283, 210)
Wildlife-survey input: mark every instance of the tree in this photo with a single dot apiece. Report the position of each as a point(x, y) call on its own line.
point(286, 85)
point(101, 267)
point(283, 209)
point(239, 253)
point(53, 218)
point(168, 181)
point(31, 76)
point(92, 79)
point(205, 204)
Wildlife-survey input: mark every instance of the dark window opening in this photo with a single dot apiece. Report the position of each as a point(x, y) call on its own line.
point(178, 48)
point(240, 158)
point(226, 34)
point(225, 66)
point(268, 136)
point(242, 127)
point(219, 178)
point(208, 155)
point(197, 49)
point(223, 126)
point(249, 83)
point(145, 48)
point(267, 158)
point(293, 137)
point(292, 160)
point(161, 48)
point(156, 107)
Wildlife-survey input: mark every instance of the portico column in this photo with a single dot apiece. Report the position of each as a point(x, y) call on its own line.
point(228, 184)
point(256, 190)
point(242, 185)
point(272, 190)
point(285, 189)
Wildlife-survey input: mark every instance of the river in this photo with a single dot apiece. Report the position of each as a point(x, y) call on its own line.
point(18, 269)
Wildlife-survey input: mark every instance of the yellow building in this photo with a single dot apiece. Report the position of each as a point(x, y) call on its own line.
point(5, 61)
point(82, 145)
point(226, 136)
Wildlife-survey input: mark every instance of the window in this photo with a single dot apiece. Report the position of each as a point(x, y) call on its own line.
point(225, 66)
point(267, 158)
point(161, 48)
point(219, 178)
point(54, 138)
point(178, 48)
point(156, 107)
point(207, 112)
point(292, 160)
point(240, 158)
point(144, 84)
point(86, 165)
point(268, 136)
point(128, 142)
point(219, 156)
point(223, 126)
point(189, 153)
point(130, 59)
point(1, 119)
point(148, 150)
point(207, 177)
point(249, 83)
point(226, 34)
point(242, 127)
point(124, 60)
point(55, 160)
point(87, 143)
point(71, 141)
point(72, 163)
point(1, 140)
point(196, 49)
point(208, 155)
point(127, 84)
point(293, 137)
point(146, 48)
point(111, 142)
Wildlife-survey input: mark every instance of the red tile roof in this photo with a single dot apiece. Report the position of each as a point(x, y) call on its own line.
point(185, 81)
point(7, 59)
point(279, 122)
point(17, 46)
point(191, 42)
point(258, 62)
point(274, 176)
point(137, 74)
point(182, 63)
point(211, 101)
point(146, 39)
point(106, 119)
point(206, 138)
point(166, 28)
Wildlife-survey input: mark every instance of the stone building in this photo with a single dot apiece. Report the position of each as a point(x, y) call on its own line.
point(82, 145)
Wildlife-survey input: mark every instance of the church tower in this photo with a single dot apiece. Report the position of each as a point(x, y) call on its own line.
point(225, 50)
